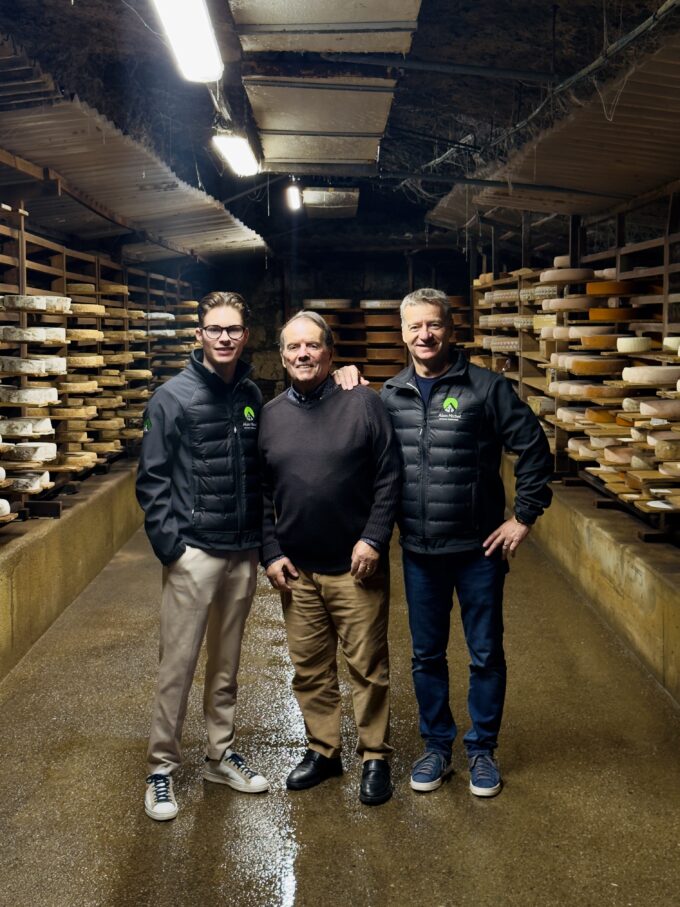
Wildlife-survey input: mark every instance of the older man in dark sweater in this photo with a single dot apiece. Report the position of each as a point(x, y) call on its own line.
point(330, 474)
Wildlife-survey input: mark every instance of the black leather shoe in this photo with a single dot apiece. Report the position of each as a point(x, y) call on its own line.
point(313, 769)
point(376, 786)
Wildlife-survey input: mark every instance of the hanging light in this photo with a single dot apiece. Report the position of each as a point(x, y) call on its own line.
point(293, 196)
point(236, 151)
point(192, 39)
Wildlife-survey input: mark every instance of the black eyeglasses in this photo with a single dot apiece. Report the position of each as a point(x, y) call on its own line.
point(215, 331)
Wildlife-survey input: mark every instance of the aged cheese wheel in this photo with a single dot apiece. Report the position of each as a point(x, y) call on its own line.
point(597, 366)
point(605, 274)
point(601, 342)
point(609, 288)
point(637, 461)
point(599, 415)
point(79, 387)
point(87, 308)
point(668, 449)
point(547, 333)
point(602, 390)
point(82, 289)
point(23, 427)
point(86, 360)
point(670, 468)
point(86, 334)
point(116, 289)
point(562, 261)
point(58, 304)
point(570, 413)
point(566, 275)
point(379, 303)
point(620, 314)
point(654, 437)
point(54, 365)
point(23, 335)
point(660, 409)
point(14, 365)
point(118, 358)
point(657, 375)
point(55, 335)
point(578, 331)
point(631, 404)
point(35, 450)
point(568, 304)
point(598, 443)
point(671, 343)
point(25, 303)
point(31, 482)
point(633, 344)
point(137, 373)
point(620, 455)
point(575, 444)
point(5, 509)
point(34, 395)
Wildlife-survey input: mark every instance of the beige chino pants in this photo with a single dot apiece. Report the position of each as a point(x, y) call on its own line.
point(321, 611)
point(200, 592)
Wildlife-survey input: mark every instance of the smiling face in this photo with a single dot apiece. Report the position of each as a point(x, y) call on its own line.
point(304, 354)
point(427, 334)
point(222, 354)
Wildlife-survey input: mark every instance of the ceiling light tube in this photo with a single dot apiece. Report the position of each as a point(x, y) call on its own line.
point(236, 151)
point(192, 39)
point(293, 197)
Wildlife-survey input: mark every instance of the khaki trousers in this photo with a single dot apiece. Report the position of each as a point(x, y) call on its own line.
point(200, 591)
point(320, 611)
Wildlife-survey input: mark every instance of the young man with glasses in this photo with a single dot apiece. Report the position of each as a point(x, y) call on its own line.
point(199, 487)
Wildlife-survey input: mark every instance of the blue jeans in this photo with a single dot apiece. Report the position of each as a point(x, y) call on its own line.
point(430, 581)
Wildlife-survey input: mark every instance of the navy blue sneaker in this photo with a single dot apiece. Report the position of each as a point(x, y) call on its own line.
point(485, 777)
point(429, 771)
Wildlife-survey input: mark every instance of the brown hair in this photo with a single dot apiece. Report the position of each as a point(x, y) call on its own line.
point(216, 299)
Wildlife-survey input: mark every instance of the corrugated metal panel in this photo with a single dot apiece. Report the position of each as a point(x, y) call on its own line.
point(624, 142)
point(324, 26)
point(319, 120)
point(120, 175)
point(330, 202)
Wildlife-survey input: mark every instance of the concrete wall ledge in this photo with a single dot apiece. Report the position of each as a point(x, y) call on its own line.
point(45, 564)
point(633, 585)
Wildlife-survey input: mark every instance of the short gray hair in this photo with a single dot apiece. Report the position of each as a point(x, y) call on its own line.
point(318, 321)
point(426, 296)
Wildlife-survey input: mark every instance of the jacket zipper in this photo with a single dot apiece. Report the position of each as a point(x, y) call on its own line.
point(237, 473)
point(422, 449)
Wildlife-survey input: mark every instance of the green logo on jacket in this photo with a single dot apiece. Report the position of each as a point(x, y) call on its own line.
point(147, 424)
point(249, 414)
point(450, 405)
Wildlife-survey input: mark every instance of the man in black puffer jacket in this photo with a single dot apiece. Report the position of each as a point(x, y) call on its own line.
point(452, 420)
point(199, 487)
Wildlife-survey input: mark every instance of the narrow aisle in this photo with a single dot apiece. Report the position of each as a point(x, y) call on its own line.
point(590, 754)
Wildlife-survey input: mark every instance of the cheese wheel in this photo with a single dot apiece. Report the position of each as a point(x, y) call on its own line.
point(379, 303)
point(86, 360)
point(671, 343)
point(560, 332)
point(87, 308)
point(661, 409)
point(561, 261)
point(35, 450)
point(599, 415)
point(55, 334)
point(81, 288)
point(609, 288)
point(599, 366)
point(654, 437)
point(575, 443)
point(633, 344)
point(639, 462)
point(546, 333)
point(566, 275)
point(609, 314)
point(598, 443)
point(23, 335)
point(578, 331)
point(23, 426)
point(605, 274)
point(569, 413)
point(53, 365)
point(601, 342)
point(14, 365)
point(620, 455)
point(668, 449)
point(4, 507)
point(35, 395)
point(25, 303)
point(58, 304)
point(602, 390)
point(84, 334)
point(118, 289)
point(631, 404)
point(657, 375)
point(326, 304)
point(670, 468)
point(567, 304)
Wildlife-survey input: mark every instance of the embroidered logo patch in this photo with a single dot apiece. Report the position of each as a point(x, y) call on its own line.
point(249, 414)
point(146, 424)
point(449, 411)
point(450, 405)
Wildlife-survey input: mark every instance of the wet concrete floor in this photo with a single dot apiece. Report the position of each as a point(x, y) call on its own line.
point(590, 812)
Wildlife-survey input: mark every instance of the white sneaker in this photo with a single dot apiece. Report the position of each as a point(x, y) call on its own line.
point(232, 769)
point(159, 799)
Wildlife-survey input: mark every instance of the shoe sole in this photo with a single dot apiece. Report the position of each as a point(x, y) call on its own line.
point(295, 785)
point(486, 791)
point(376, 801)
point(425, 786)
point(241, 786)
point(164, 818)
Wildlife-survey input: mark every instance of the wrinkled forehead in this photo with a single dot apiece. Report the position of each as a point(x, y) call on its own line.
point(423, 311)
point(223, 314)
point(303, 330)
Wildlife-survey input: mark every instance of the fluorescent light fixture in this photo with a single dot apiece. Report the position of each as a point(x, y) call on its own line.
point(293, 197)
point(238, 154)
point(190, 32)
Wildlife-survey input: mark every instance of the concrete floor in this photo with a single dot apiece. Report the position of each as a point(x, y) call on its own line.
point(590, 814)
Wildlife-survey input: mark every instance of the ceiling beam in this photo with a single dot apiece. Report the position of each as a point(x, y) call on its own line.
point(393, 61)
